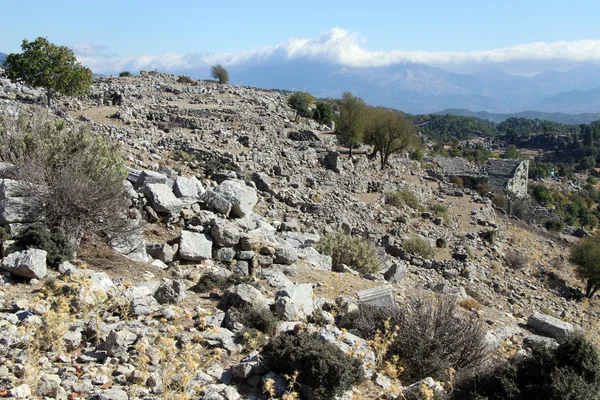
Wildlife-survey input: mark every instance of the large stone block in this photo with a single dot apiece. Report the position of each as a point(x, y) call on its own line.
point(242, 198)
point(195, 246)
point(26, 264)
point(162, 198)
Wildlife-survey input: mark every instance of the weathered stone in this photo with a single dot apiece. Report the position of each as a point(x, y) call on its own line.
point(195, 246)
point(26, 264)
point(225, 234)
point(380, 296)
point(162, 198)
point(550, 326)
point(224, 254)
point(170, 292)
point(395, 273)
point(294, 303)
point(315, 259)
point(242, 197)
point(285, 255)
point(242, 295)
point(216, 201)
point(118, 342)
point(274, 381)
point(188, 188)
point(150, 177)
point(16, 210)
point(416, 392)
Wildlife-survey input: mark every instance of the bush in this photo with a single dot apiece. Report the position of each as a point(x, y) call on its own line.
point(586, 257)
point(322, 366)
point(54, 242)
point(542, 195)
point(124, 74)
point(418, 247)
point(404, 196)
point(554, 224)
point(368, 320)
point(433, 338)
point(500, 201)
point(571, 371)
point(74, 179)
point(440, 242)
point(185, 80)
point(458, 181)
point(260, 319)
point(323, 113)
point(220, 73)
point(417, 155)
point(353, 251)
point(515, 260)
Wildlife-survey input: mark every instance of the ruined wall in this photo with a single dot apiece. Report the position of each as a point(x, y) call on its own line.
point(518, 183)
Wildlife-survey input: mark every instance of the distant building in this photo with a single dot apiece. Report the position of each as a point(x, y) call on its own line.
point(500, 174)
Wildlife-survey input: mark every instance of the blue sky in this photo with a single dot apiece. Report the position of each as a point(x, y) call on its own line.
point(158, 33)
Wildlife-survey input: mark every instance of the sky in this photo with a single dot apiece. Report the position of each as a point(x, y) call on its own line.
point(462, 35)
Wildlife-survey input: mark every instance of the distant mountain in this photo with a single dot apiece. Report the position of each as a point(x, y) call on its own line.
point(419, 88)
point(583, 118)
point(3, 57)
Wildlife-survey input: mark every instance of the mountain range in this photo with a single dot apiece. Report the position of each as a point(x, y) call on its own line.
point(2, 57)
point(419, 88)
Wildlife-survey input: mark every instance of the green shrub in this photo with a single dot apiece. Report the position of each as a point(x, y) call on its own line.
point(212, 281)
point(440, 242)
point(554, 224)
point(54, 242)
point(542, 195)
point(322, 366)
point(354, 251)
point(323, 113)
point(368, 320)
point(418, 247)
point(185, 80)
point(219, 72)
point(417, 155)
point(5, 233)
point(124, 74)
point(500, 201)
point(75, 178)
point(402, 197)
point(571, 371)
point(261, 319)
point(458, 181)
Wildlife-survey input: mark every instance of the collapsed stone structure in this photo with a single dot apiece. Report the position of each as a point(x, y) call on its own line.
point(500, 174)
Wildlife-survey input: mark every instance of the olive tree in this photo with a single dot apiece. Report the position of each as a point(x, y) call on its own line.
point(301, 102)
point(586, 257)
point(54, 68)
point(350, 125)
point(220, 73)
point(389, 132)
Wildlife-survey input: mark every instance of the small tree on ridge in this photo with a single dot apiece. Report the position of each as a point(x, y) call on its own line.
point(219, 72)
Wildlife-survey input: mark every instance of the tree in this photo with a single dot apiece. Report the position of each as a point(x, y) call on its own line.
point(44, 64)
point(219, 72)
point(512, 152)
point(124, 74)
point(323, 113)
point(350, 125)
point(389, 132)
point(301, 102)
point(586, 257)
point(542, 195)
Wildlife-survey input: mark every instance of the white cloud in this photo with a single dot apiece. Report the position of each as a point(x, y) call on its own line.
point(339, 46)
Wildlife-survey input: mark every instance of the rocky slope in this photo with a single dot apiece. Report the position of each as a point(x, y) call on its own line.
point(222, 182)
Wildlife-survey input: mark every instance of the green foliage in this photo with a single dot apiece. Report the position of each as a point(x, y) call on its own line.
point(186, 80)
point(439, 210)
point(54, 242)
point(257, 318)
point(440, 242)
point(321, 365)
point(554, 224)
point(458, 181)
point(402, 197)
point(417, 154)
point(448, 127)
point(512, 152)
point(323, 113)
point(418, 247)
point(301, 103)
point(354, 251)
point(5, 233)
point(44, 64)
point(368, 320)
point(542, 195)
point(74, 178)
point(389, 132)
point(586, 258)
point(124, 74)
point(350, 126)
point(219, 72)
point(500, 201)
point(571, 371)
point(211, 281)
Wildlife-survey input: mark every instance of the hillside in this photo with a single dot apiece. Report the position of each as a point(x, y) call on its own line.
point(231, 210)
point(583, 118)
